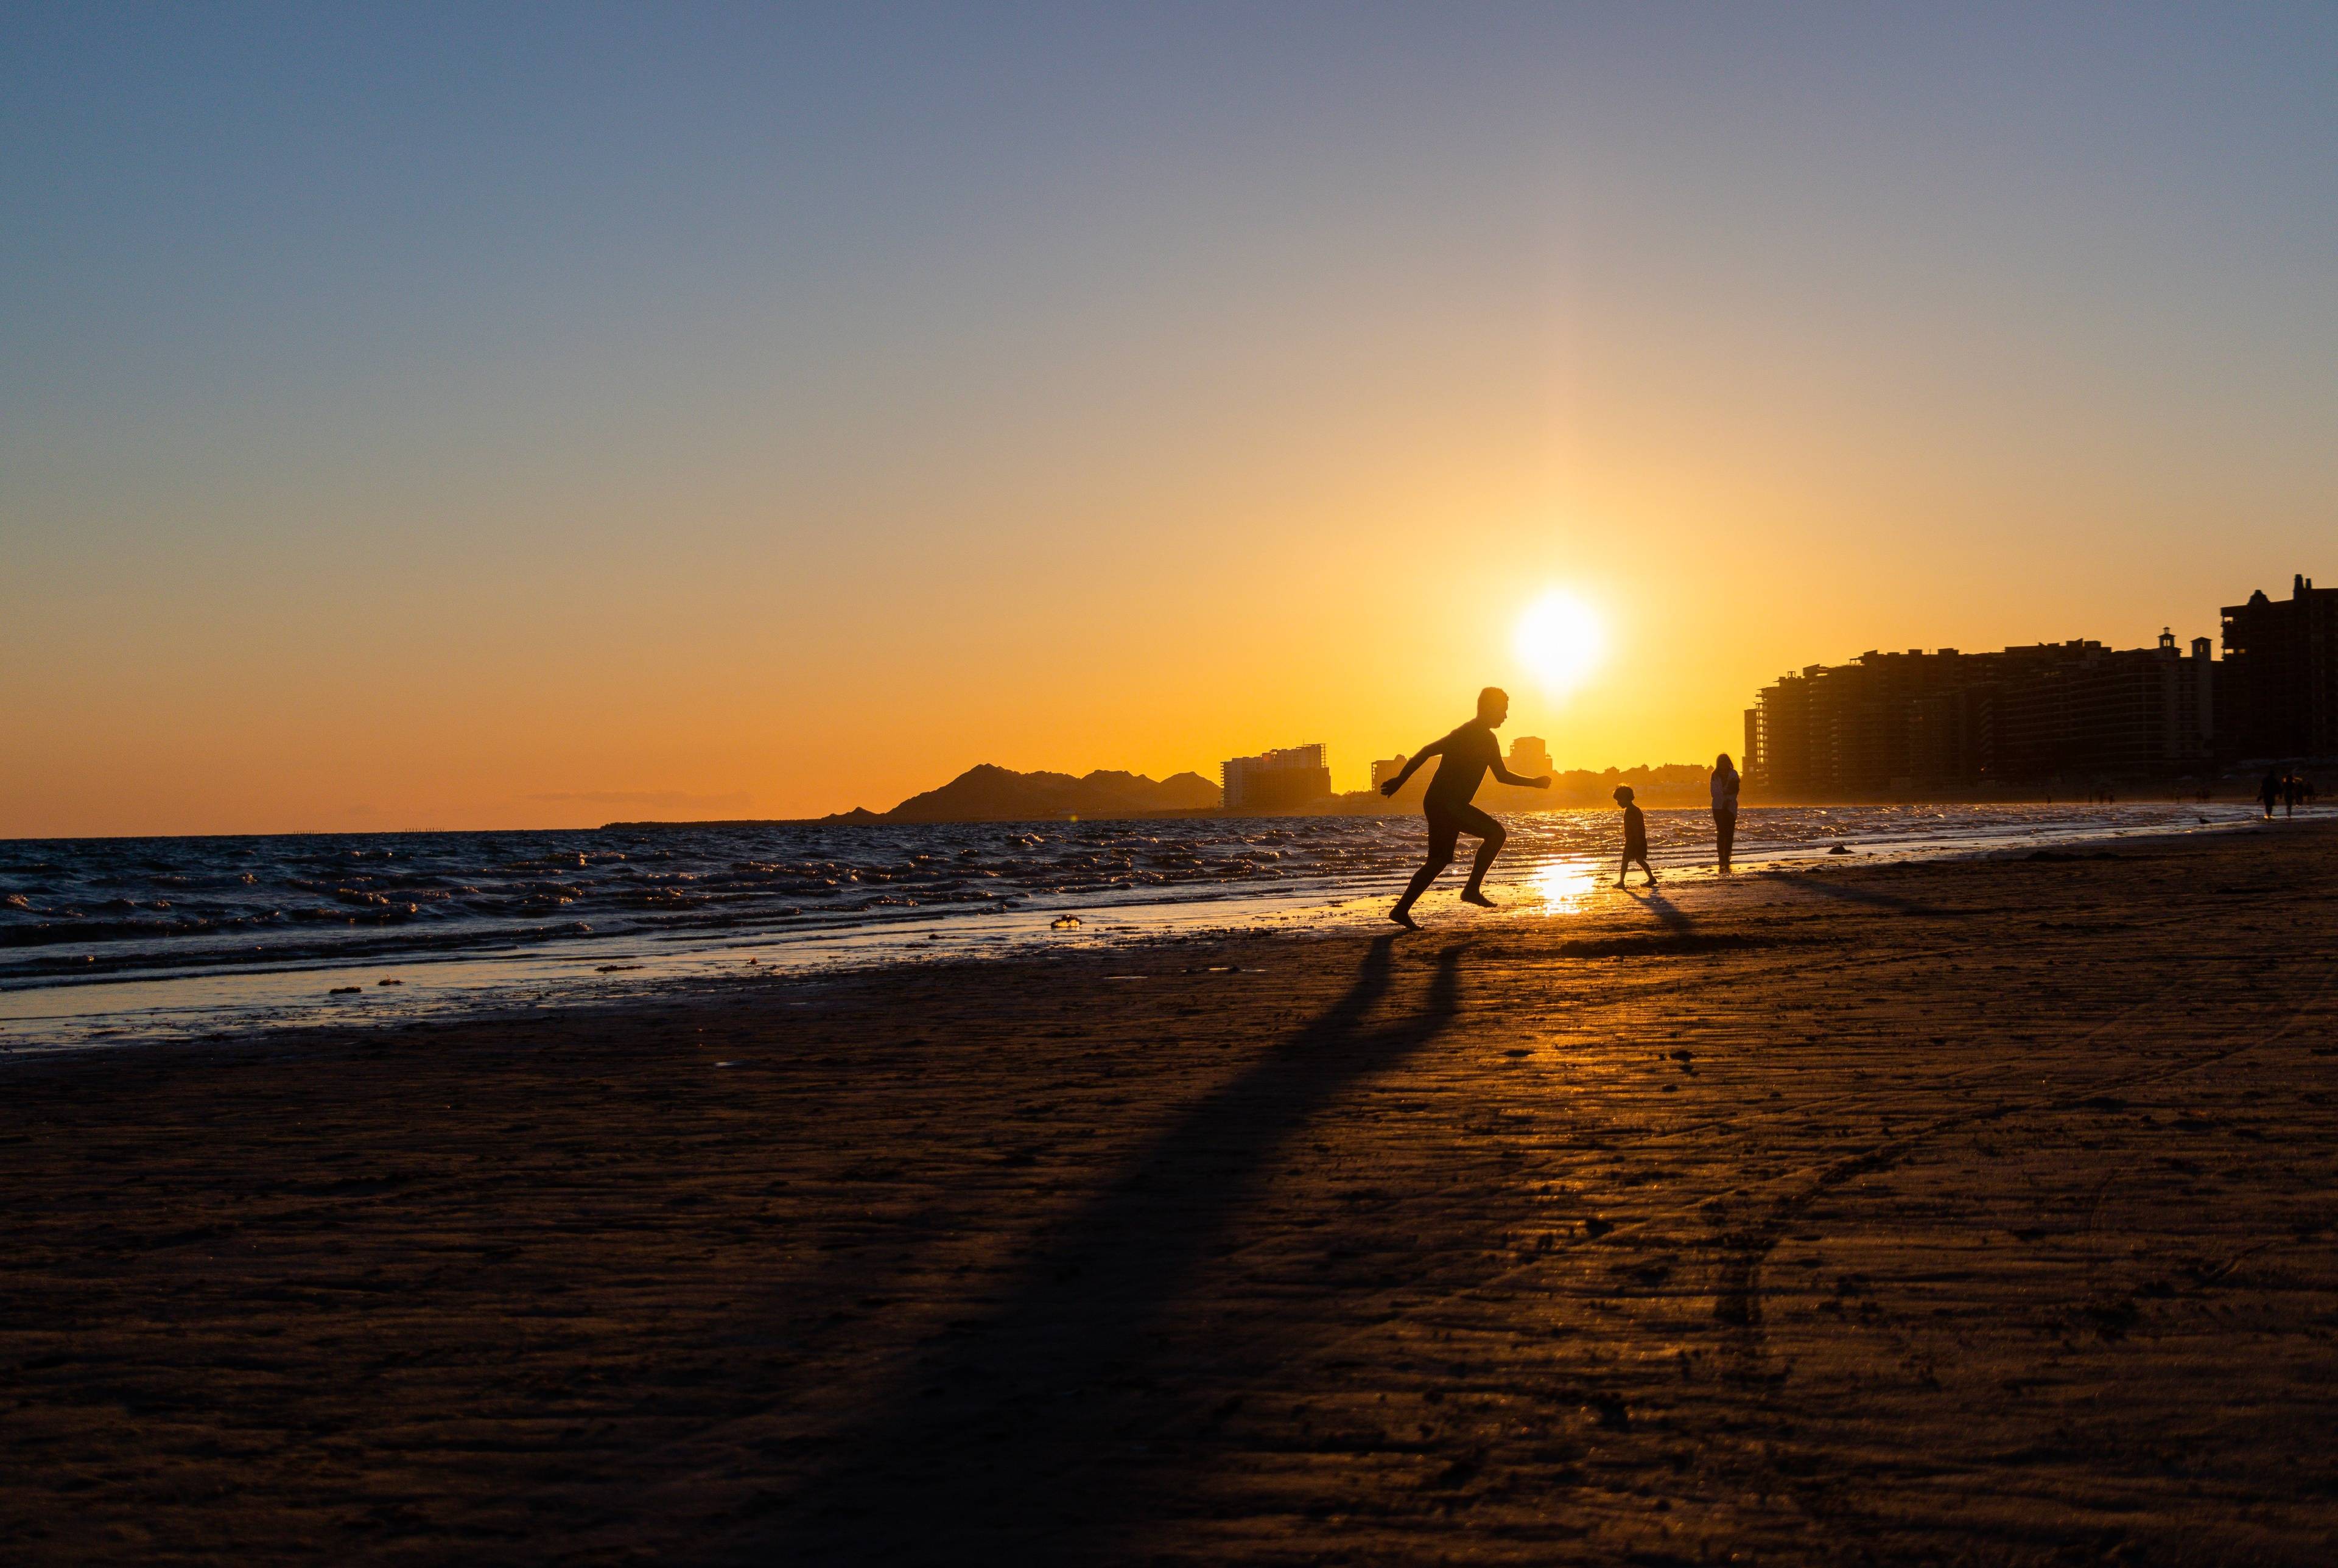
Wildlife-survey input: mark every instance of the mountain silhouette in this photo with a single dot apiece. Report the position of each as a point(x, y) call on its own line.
point(985, 793)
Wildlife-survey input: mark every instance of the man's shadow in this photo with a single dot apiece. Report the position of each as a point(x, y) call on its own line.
point(987, 1456)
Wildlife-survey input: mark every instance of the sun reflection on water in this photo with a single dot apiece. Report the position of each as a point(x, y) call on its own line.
point(1563, 887)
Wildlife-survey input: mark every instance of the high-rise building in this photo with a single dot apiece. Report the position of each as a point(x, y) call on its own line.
point(1384, 771)
point(1276, 780)
point(1889, 723)
point(2279, 694)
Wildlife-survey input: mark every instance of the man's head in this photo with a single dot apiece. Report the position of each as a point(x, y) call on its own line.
point(1493, 707)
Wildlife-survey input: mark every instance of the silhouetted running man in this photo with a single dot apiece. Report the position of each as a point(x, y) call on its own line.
point(1469, 752)
point(2270, 790)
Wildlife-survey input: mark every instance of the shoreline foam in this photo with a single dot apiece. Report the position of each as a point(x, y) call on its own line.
point(393, 988)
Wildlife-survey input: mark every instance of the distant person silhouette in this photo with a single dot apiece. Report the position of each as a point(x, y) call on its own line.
point(2292, 786)
point(2270, 790)
point(1635, 837)
point(1726, 784)
point(1469, 752)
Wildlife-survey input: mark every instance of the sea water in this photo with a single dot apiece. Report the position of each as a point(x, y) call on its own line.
point(108, 940)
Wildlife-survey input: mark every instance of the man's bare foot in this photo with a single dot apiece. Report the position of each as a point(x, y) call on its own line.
point(1471, 896)
point(1404, 919)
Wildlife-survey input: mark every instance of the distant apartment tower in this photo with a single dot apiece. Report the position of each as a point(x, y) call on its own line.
point(2125, 713)
point(1385, 770)
point(1889, 723)
point(1529, 758)
point(1276, 780)
point(2279, 696)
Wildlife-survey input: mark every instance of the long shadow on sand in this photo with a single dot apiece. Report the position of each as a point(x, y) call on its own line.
point(1869, 895)
point(989, 1457)
point(1675, 919)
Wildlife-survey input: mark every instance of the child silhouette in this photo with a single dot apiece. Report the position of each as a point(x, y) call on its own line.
point(1635, 837)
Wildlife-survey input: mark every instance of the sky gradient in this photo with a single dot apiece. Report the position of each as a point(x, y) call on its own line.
point(477, 417)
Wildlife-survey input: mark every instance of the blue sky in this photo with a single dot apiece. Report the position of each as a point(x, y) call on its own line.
point(856, 360)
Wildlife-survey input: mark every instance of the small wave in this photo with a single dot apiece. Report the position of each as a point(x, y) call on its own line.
point(70, 907)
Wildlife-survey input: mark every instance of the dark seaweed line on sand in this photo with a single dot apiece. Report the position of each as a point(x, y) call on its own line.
point(1668, 944)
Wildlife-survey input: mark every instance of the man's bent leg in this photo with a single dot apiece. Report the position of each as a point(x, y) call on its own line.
point(1490, 839)
point(1402, 913)
point(1443, 832)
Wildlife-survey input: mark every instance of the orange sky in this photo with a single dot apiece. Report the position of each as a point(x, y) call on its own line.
point(1102, 446)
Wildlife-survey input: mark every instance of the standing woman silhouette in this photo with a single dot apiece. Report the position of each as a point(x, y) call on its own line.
point(1725, 805)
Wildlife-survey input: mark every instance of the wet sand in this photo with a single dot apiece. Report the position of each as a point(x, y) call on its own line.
point(1964, 1213)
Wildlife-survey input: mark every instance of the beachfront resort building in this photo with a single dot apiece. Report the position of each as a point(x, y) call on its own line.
point(1530, 757)
point(1895, 723)
point(1279, 781)
point(2279, 691)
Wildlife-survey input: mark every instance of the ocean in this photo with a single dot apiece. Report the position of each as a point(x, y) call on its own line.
point(111, 940)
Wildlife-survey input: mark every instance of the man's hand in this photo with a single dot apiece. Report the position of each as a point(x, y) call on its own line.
point(1542, 782)
point(1389, 788)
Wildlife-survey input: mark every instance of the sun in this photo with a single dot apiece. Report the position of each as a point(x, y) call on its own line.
point(1561, 640)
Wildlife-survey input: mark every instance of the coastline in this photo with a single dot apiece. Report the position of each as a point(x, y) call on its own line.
point(1932, 1207)
point(1503, 800)
point(797, 905)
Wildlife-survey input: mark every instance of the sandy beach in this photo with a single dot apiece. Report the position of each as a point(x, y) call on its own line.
point(1959, 1212)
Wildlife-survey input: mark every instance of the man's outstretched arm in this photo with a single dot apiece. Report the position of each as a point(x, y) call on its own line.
point(1412, 763)
point(1507, 777)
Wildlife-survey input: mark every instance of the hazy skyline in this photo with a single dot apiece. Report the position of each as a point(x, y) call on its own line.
point(470, 416)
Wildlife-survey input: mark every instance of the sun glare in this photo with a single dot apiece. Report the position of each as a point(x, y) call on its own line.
point(1560, 639)
point(1564, 886)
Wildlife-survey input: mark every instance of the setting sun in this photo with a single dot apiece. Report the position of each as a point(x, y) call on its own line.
point(1561, 641)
